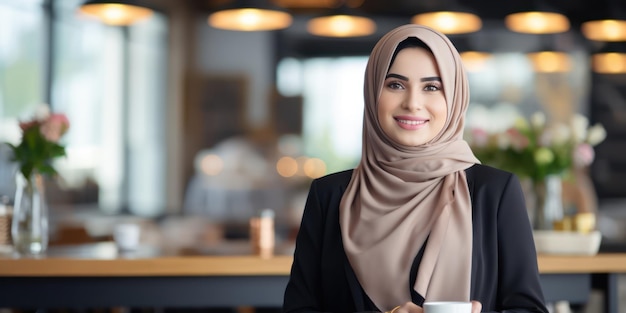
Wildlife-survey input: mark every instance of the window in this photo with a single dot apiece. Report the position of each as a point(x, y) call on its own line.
point(332, 89)
point(110, 81)
point(21, 71)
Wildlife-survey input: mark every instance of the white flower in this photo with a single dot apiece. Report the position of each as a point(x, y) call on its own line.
point(545, 139)
point(42, 112)
point(503, 141)
point(520, 123)
point(596, 134)
point(579, 127)
point(543, 156)
point(538, 120)
point(560, 134)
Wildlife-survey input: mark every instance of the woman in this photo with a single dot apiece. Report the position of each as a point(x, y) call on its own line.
point(419, 219)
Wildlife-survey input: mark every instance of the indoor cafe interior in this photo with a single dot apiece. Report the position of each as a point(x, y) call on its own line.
point(188, 133)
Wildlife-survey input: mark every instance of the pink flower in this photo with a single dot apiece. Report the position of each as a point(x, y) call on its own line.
point(519, 142)
point(480, 137)
point(583, 155)
point(29, 124)
point(39, 145)
point(54, 127)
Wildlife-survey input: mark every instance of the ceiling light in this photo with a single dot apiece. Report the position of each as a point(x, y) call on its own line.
point(345, 22)
point(607, 24)
point(605, 30)
point(550, 61)
point(609, 63)
point(341, 26)
point(610, 60)
point(474, 61)
point(250, 15)
point(118, 13)
point(537, 18)
point(449, 22)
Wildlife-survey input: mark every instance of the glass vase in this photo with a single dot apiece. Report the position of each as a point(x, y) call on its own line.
point(29, 229)
point(548, 202)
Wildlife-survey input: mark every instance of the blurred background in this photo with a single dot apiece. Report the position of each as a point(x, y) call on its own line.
point(173, 117)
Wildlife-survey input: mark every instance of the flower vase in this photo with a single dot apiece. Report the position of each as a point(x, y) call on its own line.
point(548, 202)
point(29, 229)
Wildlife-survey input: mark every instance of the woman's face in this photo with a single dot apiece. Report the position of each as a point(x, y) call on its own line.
point(412, 107)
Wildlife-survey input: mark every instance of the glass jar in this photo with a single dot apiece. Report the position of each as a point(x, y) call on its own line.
point(29, 229)
point(548, 202)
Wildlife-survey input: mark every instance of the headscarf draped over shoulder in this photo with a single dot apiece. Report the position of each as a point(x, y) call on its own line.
point(401, 195)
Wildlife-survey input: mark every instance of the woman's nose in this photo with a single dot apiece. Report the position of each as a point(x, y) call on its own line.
point(413, 101)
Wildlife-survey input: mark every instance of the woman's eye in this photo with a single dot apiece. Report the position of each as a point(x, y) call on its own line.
point(395, 85)
point(432, 88)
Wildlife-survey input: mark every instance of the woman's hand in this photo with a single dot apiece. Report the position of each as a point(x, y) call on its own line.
point(476, 306)
point(408, 307)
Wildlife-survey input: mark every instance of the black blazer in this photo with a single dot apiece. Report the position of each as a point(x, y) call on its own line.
point(504, 274)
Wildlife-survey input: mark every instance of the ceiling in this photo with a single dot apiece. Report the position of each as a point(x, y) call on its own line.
point(295, 41)
point(576, 10)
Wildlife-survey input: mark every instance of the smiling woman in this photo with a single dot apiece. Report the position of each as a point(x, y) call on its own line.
point(412, 107)
point(414, 200)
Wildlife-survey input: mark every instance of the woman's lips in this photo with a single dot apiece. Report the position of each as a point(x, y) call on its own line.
point(410, 122)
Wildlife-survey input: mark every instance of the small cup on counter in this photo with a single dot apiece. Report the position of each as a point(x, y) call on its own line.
point(262, 234)
point(6, 215)
point(584, 222)
point(126, 236)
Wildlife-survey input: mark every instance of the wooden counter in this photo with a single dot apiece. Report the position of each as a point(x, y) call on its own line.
point(81, 279)
point(600, 263)
point(244, 265)
point(162, 266)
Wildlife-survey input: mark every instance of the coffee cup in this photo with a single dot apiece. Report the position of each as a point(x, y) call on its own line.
point(447, 307)
point(126, 236)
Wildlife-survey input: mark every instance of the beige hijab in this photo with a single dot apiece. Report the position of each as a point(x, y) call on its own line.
point(400, 195)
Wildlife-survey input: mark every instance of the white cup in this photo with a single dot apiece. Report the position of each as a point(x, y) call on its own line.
point(447, 307)
point(126, 236)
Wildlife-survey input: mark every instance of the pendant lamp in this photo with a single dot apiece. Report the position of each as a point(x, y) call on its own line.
point(345, 22)
point(250, 15)
point(453, 19)
point(449, 22)
point(547, 59)
point(610, 60)
point(550, 57)
point(117, 13)
point(610, 26)
point(605, 30)
point(475, 61)
point(537, 18)
point(550, 61)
